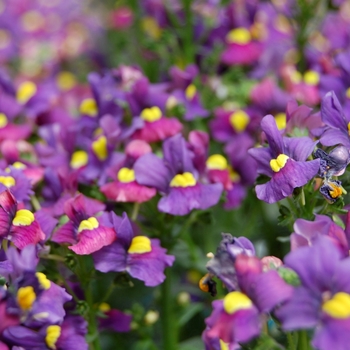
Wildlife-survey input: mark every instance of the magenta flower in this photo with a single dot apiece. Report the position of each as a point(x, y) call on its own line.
point(85, 232)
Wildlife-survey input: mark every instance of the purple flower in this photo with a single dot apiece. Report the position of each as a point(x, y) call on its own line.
point(338, 123)
point(114, 320)
point(323, 298)
point(141, 257)
point(284, 161)
point(176, 177)
point(237, 318)
point(306, 232)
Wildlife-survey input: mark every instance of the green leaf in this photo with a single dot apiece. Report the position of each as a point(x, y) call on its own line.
point(190, 311)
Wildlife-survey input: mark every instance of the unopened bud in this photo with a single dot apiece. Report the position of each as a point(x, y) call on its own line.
point(289, 276)
point(183, 298)
point(151, 317)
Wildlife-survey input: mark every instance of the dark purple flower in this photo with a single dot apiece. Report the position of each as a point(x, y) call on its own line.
point(323, 298)
point(114, 319)
point(141, 257)
point(284, 161)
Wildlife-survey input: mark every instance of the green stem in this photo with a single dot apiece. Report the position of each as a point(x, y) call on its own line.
point(291, 343)
point(135, 211)
point(35, 203)
point(93, 326)
point(188, 33)
point(303, 341)
point(169, 327)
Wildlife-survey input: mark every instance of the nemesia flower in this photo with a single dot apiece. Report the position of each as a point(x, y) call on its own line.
point(284, 161)
point(156, 126)
point(84, 231)
point(143, 258)
point(338, 123)
point(331, 190)
point(125, 188)
point(175, 176)
point(18, 225)
point(306, 232)
point(322, 300)
point(69, 335)
point(241, 49)
point(114, 319)
point(238, 317)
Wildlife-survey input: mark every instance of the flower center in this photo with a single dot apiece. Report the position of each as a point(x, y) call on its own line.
point(88, 224)
point(338, 306)
point(183, 180)
point(239, 36)
point(23, 217)
point(217, 161)
point(26, 297)
point(151, 114)
point(336, 190)
point(25, 92)
point(8, 181)
point(45, 283)
point(190, 92)
point(278, 163)
point(311, 77)
point(52, 334)
point(79, 159)
point(100, 148)
point(66, 81)
point(140, 245)
point(126, 175)
point(88, 107)
point(3, 120)
point(239, 120)
point(235, 301)
point(281, 120)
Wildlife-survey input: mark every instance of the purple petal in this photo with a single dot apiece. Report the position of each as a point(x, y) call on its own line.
point(299, 148)
point(333, 137)
point(151, 171)
point(332, 112)
point(273, 135)
point(111, 258)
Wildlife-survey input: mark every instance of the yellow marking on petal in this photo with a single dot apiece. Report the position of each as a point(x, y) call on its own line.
point(45, 283)
point(295, 77)
point(311, 77)
point(89, 224)
point(140, 245)
point(26, 297)
point(5, 38)
point(126, 175)
point(19, 165)
point(171, 102)
point(223, 345)
point(23, 217)
point(32, 21)
point(104, 307)
point(239, 120)
point(53, 332)
point(100, 148)
point(217, 161)
point(347, 93)
point(79, 159)
point(235, 301)
point(183, 180)
point(151, 27)
point(8, 181)
point(3, 120)
point(239, 36)
point(278, 163)
point(66, 81)
point(190, 91)
point(88, 107)
point(338, 306)
point(281, 120)
point(336, 192)
point(151, 114)
point(25, 92)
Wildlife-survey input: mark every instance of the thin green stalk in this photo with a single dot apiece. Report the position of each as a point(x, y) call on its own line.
point(303, 341)
point(188, 32)
point(291, 343)
point(169, 326)
point(135, 211)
